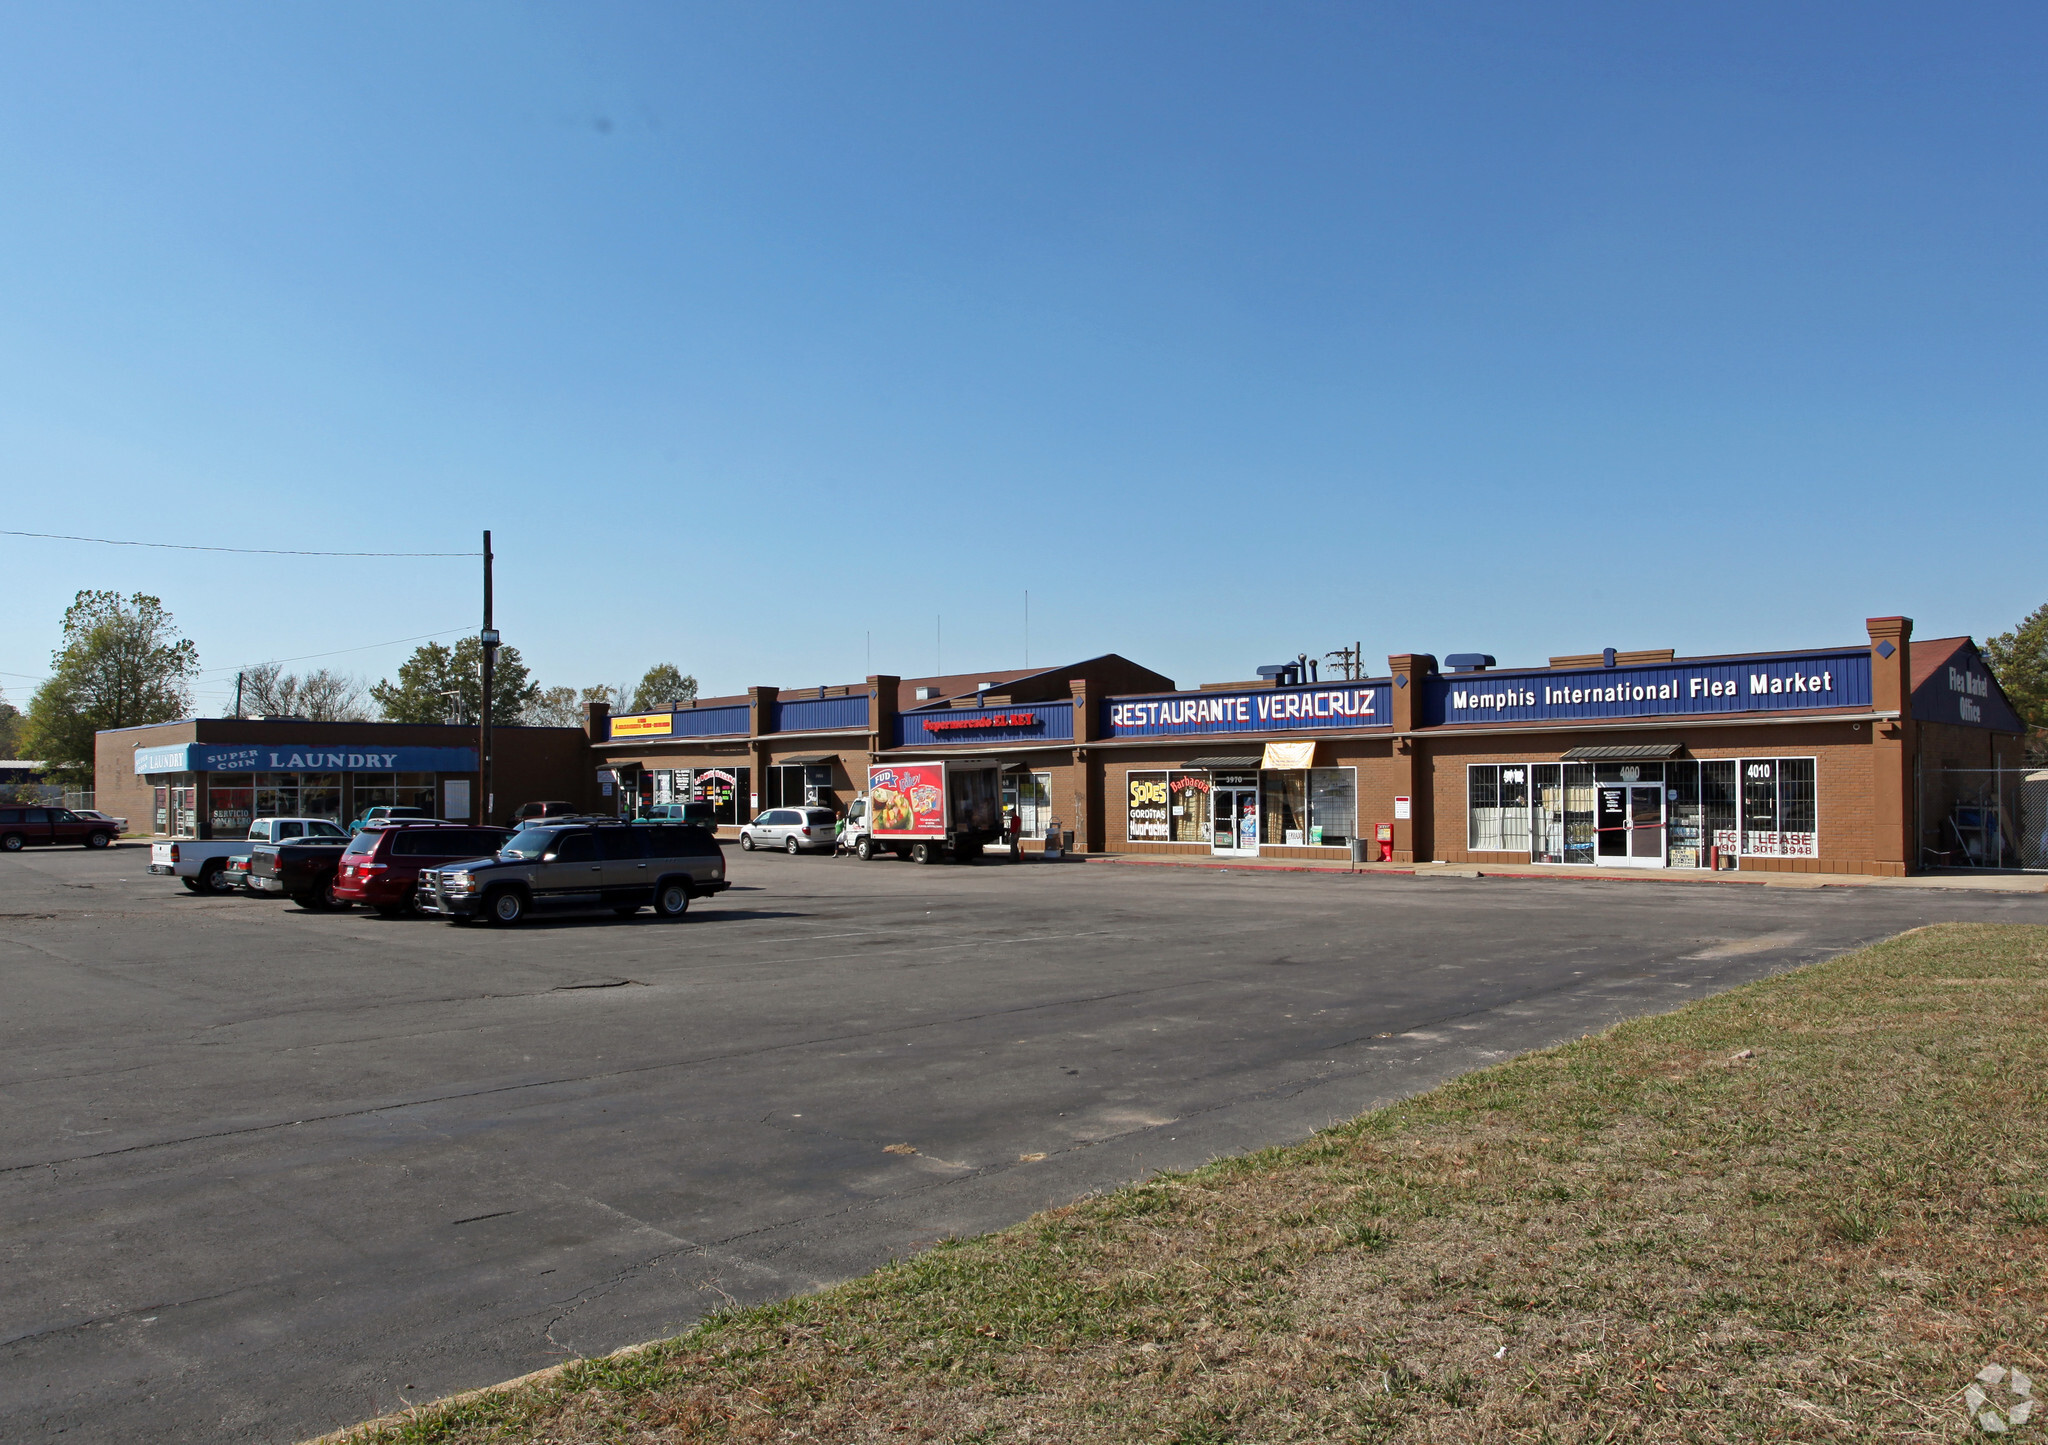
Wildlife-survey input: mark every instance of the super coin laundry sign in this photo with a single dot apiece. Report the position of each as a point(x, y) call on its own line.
point(1723, 685)
point(302, 758)
point(1288, 709)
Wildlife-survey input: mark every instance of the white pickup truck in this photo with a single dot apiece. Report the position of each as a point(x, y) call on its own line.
point(201, 863)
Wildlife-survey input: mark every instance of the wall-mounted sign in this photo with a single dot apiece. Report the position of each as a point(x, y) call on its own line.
point(301, 758)
point(1146, 818)
point(1048, 721)
point(1274, 710)
point(644, 725)
point(1289, 757)
point(1724, 685)
point(1961, 691)
point(985, 720)
point(1402, 809)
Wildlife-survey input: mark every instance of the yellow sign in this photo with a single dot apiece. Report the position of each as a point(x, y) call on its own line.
point(1289, 756)
point(644, 725)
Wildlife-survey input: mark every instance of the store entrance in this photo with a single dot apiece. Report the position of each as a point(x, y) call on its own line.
point(1629, 817)
point(1234, 821)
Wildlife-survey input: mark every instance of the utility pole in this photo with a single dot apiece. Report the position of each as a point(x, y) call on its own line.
point(238, 694)
point(489, 639)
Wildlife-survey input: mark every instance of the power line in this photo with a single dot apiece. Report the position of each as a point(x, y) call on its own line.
point(303, 657)
point(308, 656)
point(248, 551)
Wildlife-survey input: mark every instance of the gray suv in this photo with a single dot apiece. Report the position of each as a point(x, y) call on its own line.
point(620, 866)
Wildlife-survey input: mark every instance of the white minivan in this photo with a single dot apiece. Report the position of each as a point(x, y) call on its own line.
point(791, 829)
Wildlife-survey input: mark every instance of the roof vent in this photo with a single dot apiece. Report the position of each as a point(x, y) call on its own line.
point(1469, 661)
point(926, 694)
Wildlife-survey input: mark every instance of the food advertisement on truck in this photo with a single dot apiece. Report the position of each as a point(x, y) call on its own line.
point(907, 800)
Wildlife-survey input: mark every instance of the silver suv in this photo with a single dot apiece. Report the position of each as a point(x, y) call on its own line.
point(620, 866)
point(791, 829)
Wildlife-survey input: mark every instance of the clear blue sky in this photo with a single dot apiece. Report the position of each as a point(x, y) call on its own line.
point(1230, 332)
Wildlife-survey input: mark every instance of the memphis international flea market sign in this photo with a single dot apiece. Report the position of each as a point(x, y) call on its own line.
point(307, 758)
point(1265, 710)
point(1731, 685)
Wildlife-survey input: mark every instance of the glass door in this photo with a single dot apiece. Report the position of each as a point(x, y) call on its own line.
point(1234, 821)
point(1629, 816)
point(1646, 825)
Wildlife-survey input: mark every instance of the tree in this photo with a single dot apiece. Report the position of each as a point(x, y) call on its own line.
point(2019, 660)
point(440, 684)
point(121, 665)
point(556, 707)
point(663, 686)
point(10, 729)
point(323, 696)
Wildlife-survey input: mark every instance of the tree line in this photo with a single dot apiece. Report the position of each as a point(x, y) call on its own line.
point(121, 663)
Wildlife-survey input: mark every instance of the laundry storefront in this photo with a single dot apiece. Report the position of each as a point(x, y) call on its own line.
point(209, 777)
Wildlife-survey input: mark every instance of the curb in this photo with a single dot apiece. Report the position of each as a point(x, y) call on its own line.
point(1647, 875)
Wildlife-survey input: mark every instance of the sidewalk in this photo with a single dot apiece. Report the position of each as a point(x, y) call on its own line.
point(1981, 882)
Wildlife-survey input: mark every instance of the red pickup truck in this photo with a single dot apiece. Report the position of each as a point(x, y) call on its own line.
point(23, 827)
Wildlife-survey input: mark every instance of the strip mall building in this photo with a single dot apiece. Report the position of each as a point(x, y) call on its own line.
point(1833, 760)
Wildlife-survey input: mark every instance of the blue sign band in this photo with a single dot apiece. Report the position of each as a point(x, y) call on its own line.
point(301, 758)
point(1758, 684)
point(1267, 710)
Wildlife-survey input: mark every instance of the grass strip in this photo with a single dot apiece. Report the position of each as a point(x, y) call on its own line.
point(1809, 1209)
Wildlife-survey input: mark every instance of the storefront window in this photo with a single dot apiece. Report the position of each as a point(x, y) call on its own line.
point(277, 795)
point(1188, 813)
point(1029, 796)
point(725, 789)
point(1147, 811)
point(416, 790)
point(1778, 810)
point(797, 785)
point(374, 790)
point(1308, 806)
point(228, 810)
point(320, 796)
point(1497, 811)
point(1561, 812)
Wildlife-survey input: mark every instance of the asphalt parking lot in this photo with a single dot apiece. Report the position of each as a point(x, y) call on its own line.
point(265, 1172)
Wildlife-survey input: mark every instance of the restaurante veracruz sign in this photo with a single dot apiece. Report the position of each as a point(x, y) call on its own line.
point(1722, 685)
point(1287, 709)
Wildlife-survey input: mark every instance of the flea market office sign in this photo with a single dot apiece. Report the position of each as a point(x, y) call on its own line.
point(1284, 709)
point(1723, 685)
point(296, 758)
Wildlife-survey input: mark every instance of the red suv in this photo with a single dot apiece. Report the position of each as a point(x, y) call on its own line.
point(23, 827)
point(380, 866)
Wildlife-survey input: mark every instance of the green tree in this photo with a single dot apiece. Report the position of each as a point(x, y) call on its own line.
point(10, 729)
point(663, 685)
point(2019, 660)
point(439, 684)
point(121, 665)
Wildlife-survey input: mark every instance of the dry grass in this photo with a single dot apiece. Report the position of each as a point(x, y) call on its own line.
point(1653, 1234)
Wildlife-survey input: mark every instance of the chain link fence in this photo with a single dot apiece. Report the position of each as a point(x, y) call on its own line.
point(1984, 818)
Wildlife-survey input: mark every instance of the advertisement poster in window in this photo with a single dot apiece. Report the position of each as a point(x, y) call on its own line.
point(908, 800)
point(714, 786)
point(1147, 818)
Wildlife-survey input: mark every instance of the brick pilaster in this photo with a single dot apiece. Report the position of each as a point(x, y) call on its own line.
point(1894, 827)
point(1413, 838)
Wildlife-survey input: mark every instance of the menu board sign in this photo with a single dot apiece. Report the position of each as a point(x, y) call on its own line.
point(907, 800)
point(1146, 818)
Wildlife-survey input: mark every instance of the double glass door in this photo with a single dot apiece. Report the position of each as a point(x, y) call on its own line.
point(1234, 820)
point(1629, 823)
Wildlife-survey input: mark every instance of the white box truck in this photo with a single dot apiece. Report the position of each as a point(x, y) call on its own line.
point(928, 811)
